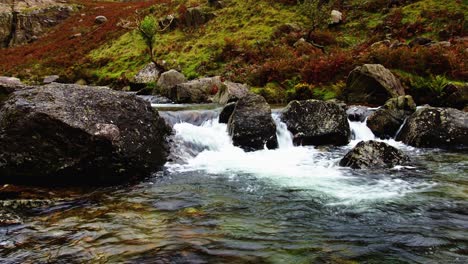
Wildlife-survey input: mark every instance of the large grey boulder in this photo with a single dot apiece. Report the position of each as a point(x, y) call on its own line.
point(149, 74)
point(315, 122)
point(251, 125)
point(167, 80)
point(73, 134)
point(195, 91)
point(432, 127)
point(371, 84)
point(373, 154)
point(386, 121)
point(230, 92)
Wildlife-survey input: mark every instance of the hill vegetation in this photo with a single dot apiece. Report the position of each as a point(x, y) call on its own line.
point(281, 48)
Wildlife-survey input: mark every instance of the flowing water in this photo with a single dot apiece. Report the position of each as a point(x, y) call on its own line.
point(215, 203)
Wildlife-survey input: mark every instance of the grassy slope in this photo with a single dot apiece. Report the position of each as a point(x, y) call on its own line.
point(110, 54)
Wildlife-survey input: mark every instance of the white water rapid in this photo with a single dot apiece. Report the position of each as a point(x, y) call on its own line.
point(209, 150)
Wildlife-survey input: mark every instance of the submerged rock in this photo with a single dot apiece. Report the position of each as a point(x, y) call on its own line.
point(373, 154)
point(432, 127)
point(372, 84)
point(75, 134)
point(226, 113)
point(315, 122)
point(251, 125)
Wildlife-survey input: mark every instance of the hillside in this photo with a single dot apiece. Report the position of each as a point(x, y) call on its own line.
point(256, 42)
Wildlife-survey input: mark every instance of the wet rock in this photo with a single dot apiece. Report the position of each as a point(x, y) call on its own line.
point(373, 154)
point(433, 127)
point(251, 125)
point(195, 91)
point(100, 20)
point(386, 121)
point(358, 113)
point(230, 92)
point(372, 84)
point(79, 134)
point(50, 79)
point(167, 80)
point(226, 113)
point(315, 122)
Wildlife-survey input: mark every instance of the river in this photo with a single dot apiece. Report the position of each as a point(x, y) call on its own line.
point(215, 203)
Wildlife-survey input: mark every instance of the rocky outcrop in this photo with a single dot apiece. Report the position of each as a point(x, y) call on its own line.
point(386, 121)
point(226, 113)
point(230, 92)
point(25, 26)
point(373, 154)
point(371, 84)
point(432, 127)
point(167, 80)
point(251, 125)
point(195, 91)
point(73, 134)
point(315, 122)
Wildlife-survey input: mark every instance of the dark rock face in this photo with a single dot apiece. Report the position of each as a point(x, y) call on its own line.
point(358, 113)
point(315, 122)
point(371, 84)
point(251, 125)
point(386, 121)
point(78, 134)
point(373, 154)
point(432, 127)
point(23, 27)
point(226, 113)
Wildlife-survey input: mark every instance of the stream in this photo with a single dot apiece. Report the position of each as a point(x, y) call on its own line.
point(215, 203)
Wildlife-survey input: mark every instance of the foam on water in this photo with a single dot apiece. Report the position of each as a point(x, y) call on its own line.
point(303, 168)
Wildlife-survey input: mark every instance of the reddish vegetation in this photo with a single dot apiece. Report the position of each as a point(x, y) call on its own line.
point(59, 49)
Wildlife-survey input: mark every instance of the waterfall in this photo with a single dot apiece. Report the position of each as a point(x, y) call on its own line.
point(285, 138)
point(360, 131)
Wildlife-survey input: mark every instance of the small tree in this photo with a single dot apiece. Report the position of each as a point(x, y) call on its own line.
point(317, 11)
point(148, 29)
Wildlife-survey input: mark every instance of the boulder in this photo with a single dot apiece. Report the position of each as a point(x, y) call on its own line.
point(226, 113)
point(433, 127)
point(149, 74)
point(195, 91)
point(167, 80)
point(371, 84)
point(373, 154)
point(315, 122)
point(455, 96)
point(358, 113)
point(251, 125)
point(230, 92)
point(196, 17)
point(386, 121)
point(8, 85)
point(336, 17)
point(69, 134)
point(100, 20)
point(50, 79)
